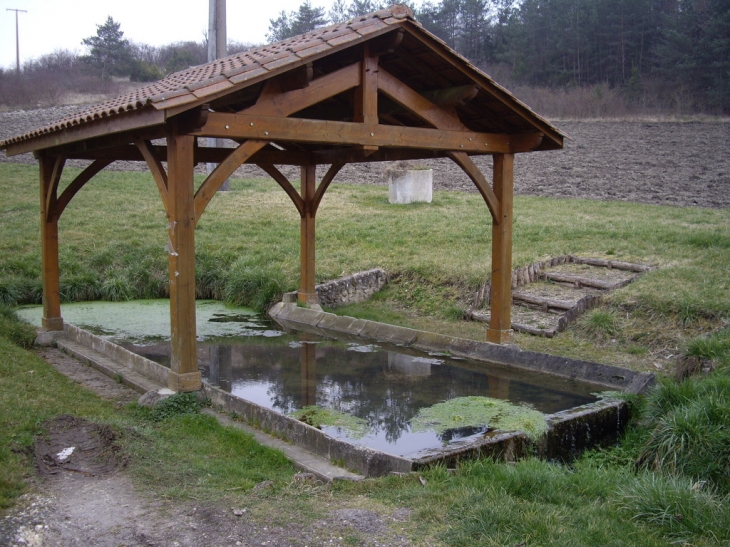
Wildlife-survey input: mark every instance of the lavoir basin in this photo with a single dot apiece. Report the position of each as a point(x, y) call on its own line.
point(363, 396)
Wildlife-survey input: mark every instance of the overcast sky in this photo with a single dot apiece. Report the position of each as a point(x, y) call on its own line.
point(49, 25)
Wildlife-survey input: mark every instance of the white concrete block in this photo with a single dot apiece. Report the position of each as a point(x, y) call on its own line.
point(410, 186)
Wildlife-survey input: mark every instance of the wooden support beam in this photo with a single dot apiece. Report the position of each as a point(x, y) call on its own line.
point(220, 174)
point(279, 177)
point(419, 105)
point(274, 102)
point(50, 273)
point(470, 168)
point(500, 323)
point(366, 97)
point(76, 184)
point(307, 292)
point(326, 181)
point(156, 168)
point(184, 374)
point(52, 191)
point(244, 126)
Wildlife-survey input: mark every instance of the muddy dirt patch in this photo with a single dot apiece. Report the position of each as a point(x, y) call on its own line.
point(77, 446)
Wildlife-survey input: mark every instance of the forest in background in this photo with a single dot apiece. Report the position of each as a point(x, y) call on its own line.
point(565, 58)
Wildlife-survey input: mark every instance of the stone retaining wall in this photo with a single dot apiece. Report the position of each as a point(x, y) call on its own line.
point(351, 289)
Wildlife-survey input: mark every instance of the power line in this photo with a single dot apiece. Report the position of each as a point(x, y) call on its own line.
point(17, 37)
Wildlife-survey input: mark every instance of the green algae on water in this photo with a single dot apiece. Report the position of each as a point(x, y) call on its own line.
point(317, 416)
point(480, 411)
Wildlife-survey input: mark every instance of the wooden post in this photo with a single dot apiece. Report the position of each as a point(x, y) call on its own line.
point(52, 319)
point(184, 374)
point(307, 293)
point(500, 323)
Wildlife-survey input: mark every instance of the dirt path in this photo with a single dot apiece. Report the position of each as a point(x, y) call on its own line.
point(657, 162)
point(72, 509)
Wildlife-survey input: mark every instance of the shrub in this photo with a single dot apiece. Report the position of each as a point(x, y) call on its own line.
point(176, 405)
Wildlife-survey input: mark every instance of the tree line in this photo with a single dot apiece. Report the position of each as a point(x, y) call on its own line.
point(670, 53)
point(674, 49)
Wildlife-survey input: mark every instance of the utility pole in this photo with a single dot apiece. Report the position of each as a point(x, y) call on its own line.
point(17, 37)
point(217, 48)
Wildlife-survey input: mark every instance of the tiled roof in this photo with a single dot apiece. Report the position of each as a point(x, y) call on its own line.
point(195, 83)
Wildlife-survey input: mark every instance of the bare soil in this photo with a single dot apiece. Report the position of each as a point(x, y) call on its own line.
point(91, 500)
point(682, 163)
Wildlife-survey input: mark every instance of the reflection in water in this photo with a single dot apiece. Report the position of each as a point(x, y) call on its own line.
point(385, 386)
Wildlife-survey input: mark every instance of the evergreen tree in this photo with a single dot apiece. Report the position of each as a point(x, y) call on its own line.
point(305, 19)
point(109, 52)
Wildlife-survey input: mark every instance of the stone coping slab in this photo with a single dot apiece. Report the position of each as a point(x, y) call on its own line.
point(331, 325)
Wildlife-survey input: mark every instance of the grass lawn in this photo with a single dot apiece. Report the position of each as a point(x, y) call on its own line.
point(113, 236)
point(112, 239)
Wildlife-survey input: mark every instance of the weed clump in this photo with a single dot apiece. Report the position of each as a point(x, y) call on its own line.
point(601, 325)
point(176, 405)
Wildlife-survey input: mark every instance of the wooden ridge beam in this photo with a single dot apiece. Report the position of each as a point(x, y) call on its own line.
point(244, 126)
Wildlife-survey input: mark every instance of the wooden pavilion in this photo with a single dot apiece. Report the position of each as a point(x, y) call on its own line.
point(376, 88)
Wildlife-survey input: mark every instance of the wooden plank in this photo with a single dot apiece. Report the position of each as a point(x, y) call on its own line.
point(583, 281)
point(418, 104)
point(50, 273)
point(222, 172)
point(500, 324)
point(279, 177)
point(543, 302)
point(76, 184)
point(243, 126)
point(286, 104)
point(326, 181)
point(155, 165)
point(628, 266)
point(184, 374)
point(139, 119)
point(307, 291)
point(470, 168)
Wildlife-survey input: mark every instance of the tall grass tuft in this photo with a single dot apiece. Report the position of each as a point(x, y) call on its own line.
point(254, 286)
point(691, 434)
point(11, 291)
point(601, 325)
point(715, 347)
point(682, 508)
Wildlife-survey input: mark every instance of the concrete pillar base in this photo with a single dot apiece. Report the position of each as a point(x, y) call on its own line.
point(308, 298)
point(500, 336)
point(190, 381)
point(52, 323)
